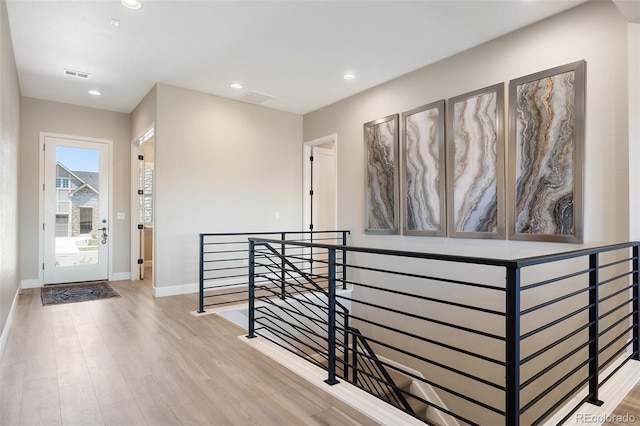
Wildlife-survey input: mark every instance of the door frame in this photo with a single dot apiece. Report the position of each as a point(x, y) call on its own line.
point(135, 145)
point(306, 178)
point(41, 206)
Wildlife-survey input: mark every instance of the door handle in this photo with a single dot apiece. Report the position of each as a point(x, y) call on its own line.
point(104, 235)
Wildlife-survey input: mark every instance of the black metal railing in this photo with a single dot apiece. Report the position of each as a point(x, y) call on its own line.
point(368, 372)
point(498, 341)
point(302, 324)
point(224, 262)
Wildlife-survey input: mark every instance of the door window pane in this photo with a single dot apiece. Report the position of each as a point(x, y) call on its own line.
point(77, 183)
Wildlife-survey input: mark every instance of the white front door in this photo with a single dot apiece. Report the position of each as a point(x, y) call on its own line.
point(76, 210)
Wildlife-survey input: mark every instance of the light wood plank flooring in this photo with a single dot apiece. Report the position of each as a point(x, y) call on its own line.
point(628, 412)
point(139, 360)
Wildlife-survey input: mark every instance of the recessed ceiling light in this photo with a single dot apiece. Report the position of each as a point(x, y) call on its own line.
point(131, 4)
point(94, 92)
point(349, 76)
point(236, 86)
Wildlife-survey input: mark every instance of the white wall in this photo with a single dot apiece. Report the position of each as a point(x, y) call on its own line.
point(595, 32)
point(220, 166)
point(47, 116)
point(9, 175)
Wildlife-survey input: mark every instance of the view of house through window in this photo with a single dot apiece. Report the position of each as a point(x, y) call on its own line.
point(77, 202)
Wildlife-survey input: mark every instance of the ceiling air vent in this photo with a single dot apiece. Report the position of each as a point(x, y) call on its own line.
point(77, 74)
point(255, 97)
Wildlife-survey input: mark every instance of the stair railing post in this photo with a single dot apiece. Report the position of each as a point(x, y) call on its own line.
point(592, 398)
point(512, 385)
point(344, 261)
point(252, 289)
point(201, 283)
point(354, 346)
point(282, 267)
point(636, 294)
point(331, 379)
point(345, 347)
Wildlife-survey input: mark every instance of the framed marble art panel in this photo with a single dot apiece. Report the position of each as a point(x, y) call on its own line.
point(546, 132)
point(381, 175)
point(475, 164)
point(423, 170)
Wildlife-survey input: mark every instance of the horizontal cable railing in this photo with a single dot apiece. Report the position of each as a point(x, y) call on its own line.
point(301, 324)
point(497, 341)
point(224, 263)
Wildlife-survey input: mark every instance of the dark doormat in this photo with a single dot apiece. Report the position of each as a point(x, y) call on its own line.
point(76, 293)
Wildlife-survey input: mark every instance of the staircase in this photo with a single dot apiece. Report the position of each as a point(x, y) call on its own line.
point(404, 382)
point(296, 320)
point(398, 384)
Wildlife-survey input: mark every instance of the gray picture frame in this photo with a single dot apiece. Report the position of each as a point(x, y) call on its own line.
point(475, 164)
point(546, 154)
point(423, 170)
point(381, 175)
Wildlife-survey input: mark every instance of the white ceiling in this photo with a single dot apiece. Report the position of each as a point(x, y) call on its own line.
point(294, 51)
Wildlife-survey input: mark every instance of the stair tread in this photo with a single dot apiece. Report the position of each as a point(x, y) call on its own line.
point(401, 380)
point(418, 407)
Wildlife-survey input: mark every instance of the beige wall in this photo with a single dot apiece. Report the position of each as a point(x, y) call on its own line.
point(220, 166)
point(9, 173)
point(594, 31)
point(634, 128)
point(46, 116)
point(144, 115)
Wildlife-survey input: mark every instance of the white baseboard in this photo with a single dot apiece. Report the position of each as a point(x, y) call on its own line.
point(175, 290)
point(7, 326)
point(121, 276)
point(35, 283)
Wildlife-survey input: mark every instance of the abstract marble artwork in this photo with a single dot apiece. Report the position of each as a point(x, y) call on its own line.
point(476, 164)
point(381, 153)
point(423, 171)
point(547, 128)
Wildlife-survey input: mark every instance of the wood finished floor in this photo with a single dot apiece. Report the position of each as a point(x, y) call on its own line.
point(139, 360)
point(628, 412)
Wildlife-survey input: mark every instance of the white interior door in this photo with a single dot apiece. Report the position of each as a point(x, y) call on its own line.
point(320, 200)
point(320, 184)
point(76, 210)
point(323, 211)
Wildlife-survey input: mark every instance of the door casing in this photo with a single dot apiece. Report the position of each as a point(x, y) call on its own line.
point(135, 207)
point(41, 206)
